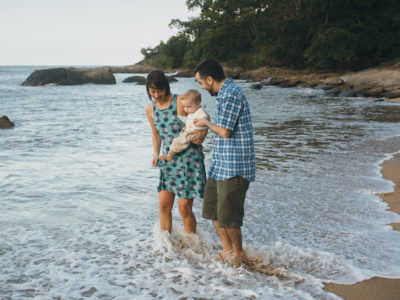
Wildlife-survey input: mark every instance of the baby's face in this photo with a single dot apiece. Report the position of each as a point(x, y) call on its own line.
point(190, 106)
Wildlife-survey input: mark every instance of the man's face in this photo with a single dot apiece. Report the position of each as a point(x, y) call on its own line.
point(206, 84)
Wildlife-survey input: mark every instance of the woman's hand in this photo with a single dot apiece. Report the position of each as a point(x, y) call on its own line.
point(154, 161)
point(199, 136)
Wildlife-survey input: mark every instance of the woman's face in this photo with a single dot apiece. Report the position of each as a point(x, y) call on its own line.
point(157, 94)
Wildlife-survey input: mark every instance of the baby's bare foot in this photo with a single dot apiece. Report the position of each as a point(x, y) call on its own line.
point(166, 157)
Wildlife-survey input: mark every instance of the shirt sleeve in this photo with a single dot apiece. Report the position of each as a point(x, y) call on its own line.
point(229, 113)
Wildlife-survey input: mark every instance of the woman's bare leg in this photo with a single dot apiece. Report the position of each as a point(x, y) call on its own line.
point(166, 202)
point(187, 215)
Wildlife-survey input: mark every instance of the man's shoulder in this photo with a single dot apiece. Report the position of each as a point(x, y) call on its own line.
point(231, 89)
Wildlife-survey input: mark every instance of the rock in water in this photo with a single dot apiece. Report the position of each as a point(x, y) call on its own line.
point(70, 76)
point(142, 80)
point(136, 79)
point(5, 122)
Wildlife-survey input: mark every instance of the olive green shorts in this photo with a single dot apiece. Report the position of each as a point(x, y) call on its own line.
point(224, 201)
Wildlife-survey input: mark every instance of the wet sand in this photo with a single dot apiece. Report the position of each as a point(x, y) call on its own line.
point(377, 288)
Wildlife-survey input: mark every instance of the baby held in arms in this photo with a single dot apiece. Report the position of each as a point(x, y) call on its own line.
point(191, 102)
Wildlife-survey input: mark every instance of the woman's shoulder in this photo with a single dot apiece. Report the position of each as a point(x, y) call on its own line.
point(149, 109)
point(179, 106)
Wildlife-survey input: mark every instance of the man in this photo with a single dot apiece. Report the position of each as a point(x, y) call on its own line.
point(233, 163)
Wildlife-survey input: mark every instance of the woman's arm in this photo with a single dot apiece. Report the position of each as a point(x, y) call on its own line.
point(156, 139)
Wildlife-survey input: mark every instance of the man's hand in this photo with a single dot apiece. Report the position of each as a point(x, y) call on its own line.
point(199, 136)
point(200, 122)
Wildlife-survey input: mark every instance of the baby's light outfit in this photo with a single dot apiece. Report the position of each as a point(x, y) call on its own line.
point(181, 142)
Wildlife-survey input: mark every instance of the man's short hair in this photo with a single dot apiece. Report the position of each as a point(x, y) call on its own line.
point(210, 68)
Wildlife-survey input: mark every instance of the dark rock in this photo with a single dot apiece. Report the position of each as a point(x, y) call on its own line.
point(392, 94)
point(172, 79)
point(5, 122)
point(265, 81)
point(70, 76)
point(374, 92)
point(256, 86)
point(142, 80)
point(361, 88)
point(333, 81)
point(290, 83)
point(136, 79)
point(276, 81)
point(347, 92)
point(234, 75)
point(332, 92)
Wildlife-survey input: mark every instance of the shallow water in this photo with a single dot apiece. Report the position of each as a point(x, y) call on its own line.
point(79, 204)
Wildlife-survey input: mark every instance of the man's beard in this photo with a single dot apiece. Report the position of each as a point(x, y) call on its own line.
point(212, 92)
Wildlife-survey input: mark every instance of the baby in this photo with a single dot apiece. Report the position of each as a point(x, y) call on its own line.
point(191, 101)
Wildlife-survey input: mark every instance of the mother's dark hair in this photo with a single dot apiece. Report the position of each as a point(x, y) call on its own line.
point(156, 79)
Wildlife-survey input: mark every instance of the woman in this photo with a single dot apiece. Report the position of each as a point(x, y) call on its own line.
point(185, 175)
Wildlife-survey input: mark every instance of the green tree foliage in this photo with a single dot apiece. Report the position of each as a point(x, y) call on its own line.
point(300, 33)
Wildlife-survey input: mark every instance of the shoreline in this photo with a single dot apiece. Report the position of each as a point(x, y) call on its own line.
point(378, 82)
point(377, 287)
point(381, 83)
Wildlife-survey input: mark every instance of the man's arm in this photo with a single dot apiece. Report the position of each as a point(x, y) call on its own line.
point(221, 131)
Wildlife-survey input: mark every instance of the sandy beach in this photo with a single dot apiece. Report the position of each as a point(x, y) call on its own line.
point(377, 288)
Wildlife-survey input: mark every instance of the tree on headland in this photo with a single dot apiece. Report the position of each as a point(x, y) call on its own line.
point(298, 33)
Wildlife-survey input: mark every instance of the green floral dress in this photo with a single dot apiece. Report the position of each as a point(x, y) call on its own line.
point(185, 175)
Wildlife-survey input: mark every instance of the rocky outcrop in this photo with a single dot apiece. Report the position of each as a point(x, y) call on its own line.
point(5, 122)
point(144, 68)
point(184, 73)
point(136, 68)
point(378, 82)
point(285, 77)
point(70, 76)
point(140, 67)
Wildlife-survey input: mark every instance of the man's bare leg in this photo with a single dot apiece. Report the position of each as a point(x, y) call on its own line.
point(224, 238)
point(235, 236)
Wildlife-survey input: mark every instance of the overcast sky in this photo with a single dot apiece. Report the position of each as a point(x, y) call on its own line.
point(84, 32)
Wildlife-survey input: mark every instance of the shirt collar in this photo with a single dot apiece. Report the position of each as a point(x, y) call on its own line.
point(224, 86)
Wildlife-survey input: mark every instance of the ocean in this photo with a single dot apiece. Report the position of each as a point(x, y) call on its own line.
point(79, 206)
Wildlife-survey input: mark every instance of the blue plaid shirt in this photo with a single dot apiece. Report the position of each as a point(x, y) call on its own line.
point(234, 155)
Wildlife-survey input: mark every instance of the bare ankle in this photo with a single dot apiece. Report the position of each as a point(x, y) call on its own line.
point(240, 255)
